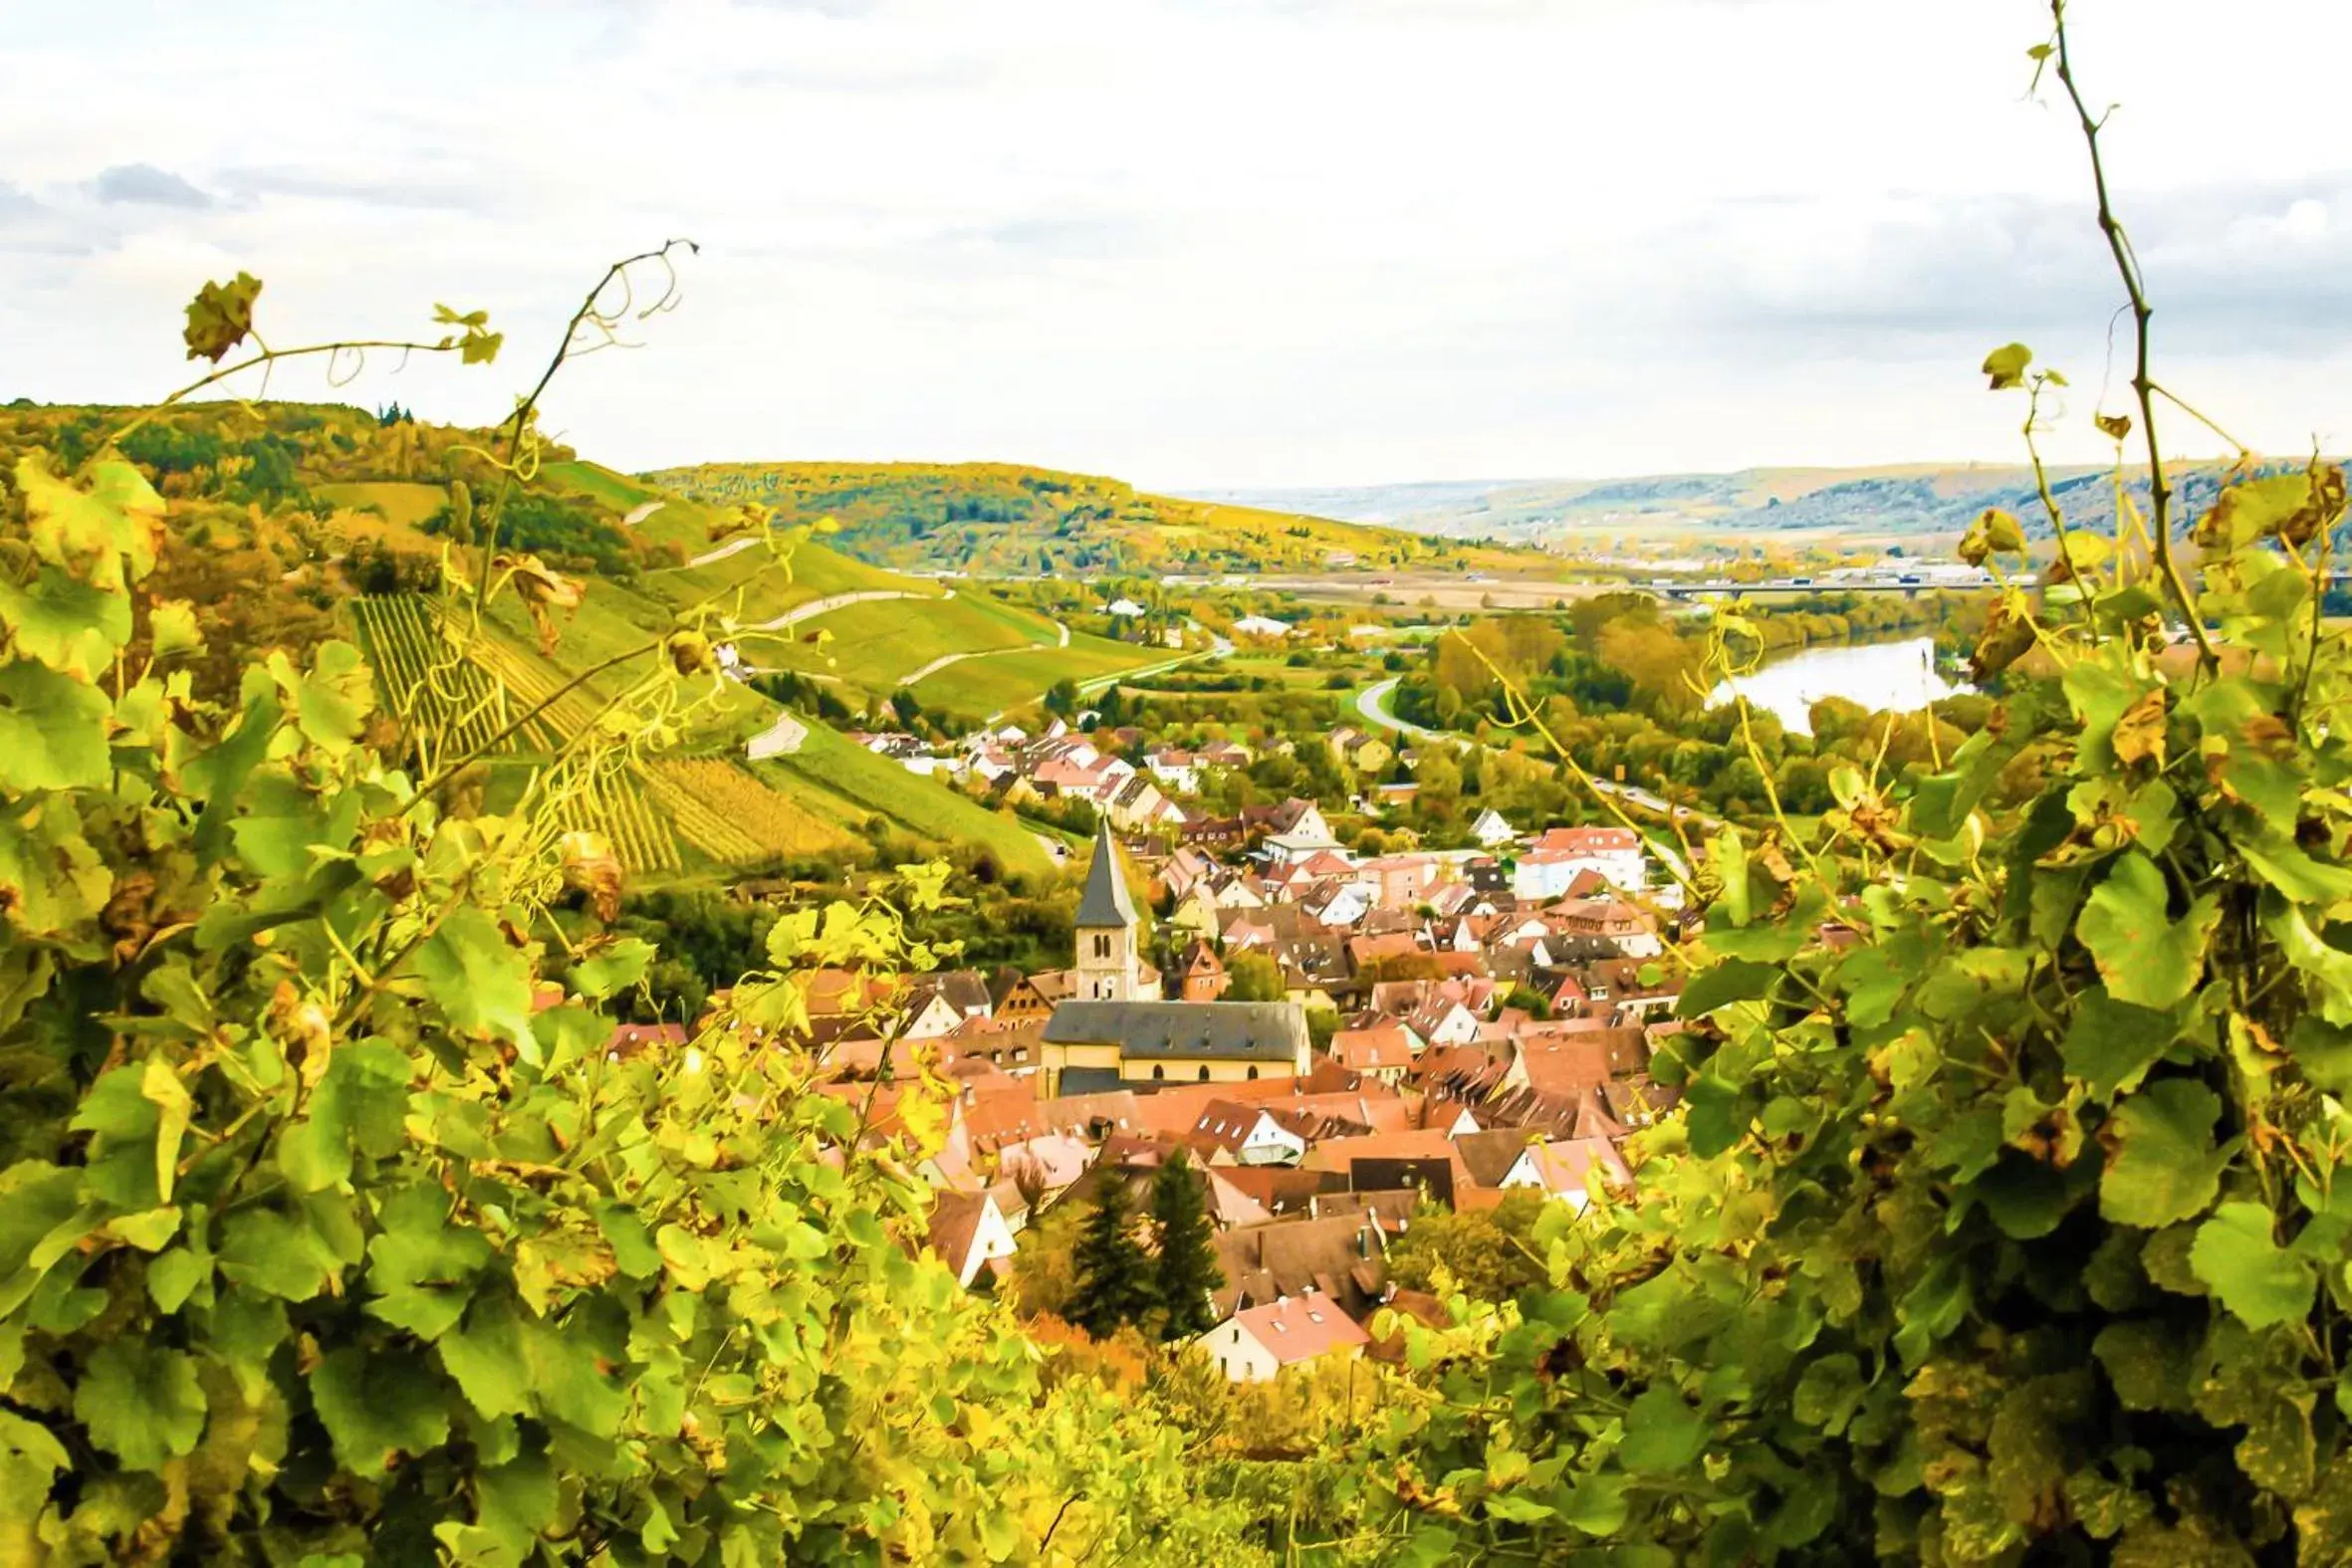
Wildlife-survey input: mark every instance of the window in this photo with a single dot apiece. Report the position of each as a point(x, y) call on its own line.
point(1253, 1073)
point(1204, 1074)
point(1102, 946)
point(1159, 1072)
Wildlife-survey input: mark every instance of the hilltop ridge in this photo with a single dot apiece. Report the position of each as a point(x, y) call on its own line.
point(1011, 520)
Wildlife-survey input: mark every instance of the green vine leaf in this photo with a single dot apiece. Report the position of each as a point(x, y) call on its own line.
point(2164, 1167)
point(2005, 366)
point(2147, 958)
point(2260, 1282)
point(479, 979)
point(377, 1406)
point(1662, 1436)
point(141, 1402)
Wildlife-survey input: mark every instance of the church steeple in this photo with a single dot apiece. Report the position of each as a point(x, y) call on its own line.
point(1107, 928)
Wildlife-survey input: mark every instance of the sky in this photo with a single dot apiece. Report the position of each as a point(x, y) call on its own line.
point(1202, 243)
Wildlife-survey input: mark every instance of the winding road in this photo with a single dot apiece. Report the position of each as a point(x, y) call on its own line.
point(1373, 703)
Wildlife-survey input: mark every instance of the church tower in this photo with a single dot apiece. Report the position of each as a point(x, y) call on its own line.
point(1107, 930)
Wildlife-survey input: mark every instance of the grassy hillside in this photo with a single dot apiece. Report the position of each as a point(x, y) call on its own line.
point(1006, 520)
point(292, 523)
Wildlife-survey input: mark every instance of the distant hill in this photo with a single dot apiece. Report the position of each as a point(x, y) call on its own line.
point(1896, 500)
point(1006, 520)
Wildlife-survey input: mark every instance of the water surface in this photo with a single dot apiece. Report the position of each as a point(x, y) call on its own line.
point(1898, 677)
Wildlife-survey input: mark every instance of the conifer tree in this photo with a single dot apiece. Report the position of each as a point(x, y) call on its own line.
point(1187, 1275)
point(1114, 1277)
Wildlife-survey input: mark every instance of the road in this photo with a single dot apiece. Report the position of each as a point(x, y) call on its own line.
point(835, 602)
point(1373, 703)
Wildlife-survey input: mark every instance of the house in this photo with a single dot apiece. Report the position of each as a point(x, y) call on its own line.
point(1200, 974)
point(1615, 853)
point(1016, 997)
point(1177, 770)
point(1256, 1343)
point(937, 1003)
point(1343, 1258)
point(1113, 1044)
point(1245, 1134)
point(1361, 750)
point(1378, 1047)
point(1491, 830)
point(1568, 1169)
point(969, 1232)
point(1260, 626)
point(1194, 914)
point(1122, 608)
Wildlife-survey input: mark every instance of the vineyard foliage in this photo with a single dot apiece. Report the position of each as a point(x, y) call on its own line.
point(422, 675)
point(735, 820)
point(2004, 1218)
point(327, 1236)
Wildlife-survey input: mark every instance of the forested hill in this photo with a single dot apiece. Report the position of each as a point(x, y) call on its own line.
point(1007, 520)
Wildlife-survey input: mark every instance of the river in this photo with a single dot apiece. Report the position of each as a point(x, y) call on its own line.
point(1882, 676)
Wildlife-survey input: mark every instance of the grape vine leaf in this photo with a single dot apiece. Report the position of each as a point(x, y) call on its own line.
point(220, 317)
point(2260, 1281)
point(377, 1406)
point(481, 982)
point(1662, 1436)
point(2005, 366)
point(141, 1402)
point(53, 733)
point(2164, 1167)
point(2146, 958)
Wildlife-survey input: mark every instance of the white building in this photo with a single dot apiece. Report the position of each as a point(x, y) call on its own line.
point(1256, 1343)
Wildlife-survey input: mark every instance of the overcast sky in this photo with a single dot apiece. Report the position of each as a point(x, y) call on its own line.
point(1201, 242)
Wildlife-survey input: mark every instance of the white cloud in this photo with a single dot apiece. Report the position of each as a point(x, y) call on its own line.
point(1195, 241)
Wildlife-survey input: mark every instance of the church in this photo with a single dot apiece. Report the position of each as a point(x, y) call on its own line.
point(1114, 1032)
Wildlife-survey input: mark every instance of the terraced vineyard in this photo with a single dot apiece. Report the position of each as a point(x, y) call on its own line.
point(420, 676)
point(612, 804)
point(531, 683)
point(729, 815)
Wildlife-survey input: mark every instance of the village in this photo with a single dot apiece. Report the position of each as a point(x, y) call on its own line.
point(1329, 1041)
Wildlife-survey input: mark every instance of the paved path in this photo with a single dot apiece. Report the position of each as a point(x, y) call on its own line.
point(733, 546)
point(834, 601)
point(639, 513)
point(780, 739)
point(1373, 703)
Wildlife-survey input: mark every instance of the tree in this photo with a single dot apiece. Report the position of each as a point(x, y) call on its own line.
point(1488, 1253)
point(1113, 1272)
point(1187, 1275)
point(1253, 977)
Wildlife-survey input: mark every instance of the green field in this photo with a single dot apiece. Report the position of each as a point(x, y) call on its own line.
point(992, 685)
point(923, 807)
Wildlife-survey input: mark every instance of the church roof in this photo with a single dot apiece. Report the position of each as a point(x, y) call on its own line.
point(1106, 901)
point(1224, 1030)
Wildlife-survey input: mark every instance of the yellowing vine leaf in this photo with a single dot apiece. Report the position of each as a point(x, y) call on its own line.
point(220, 317)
